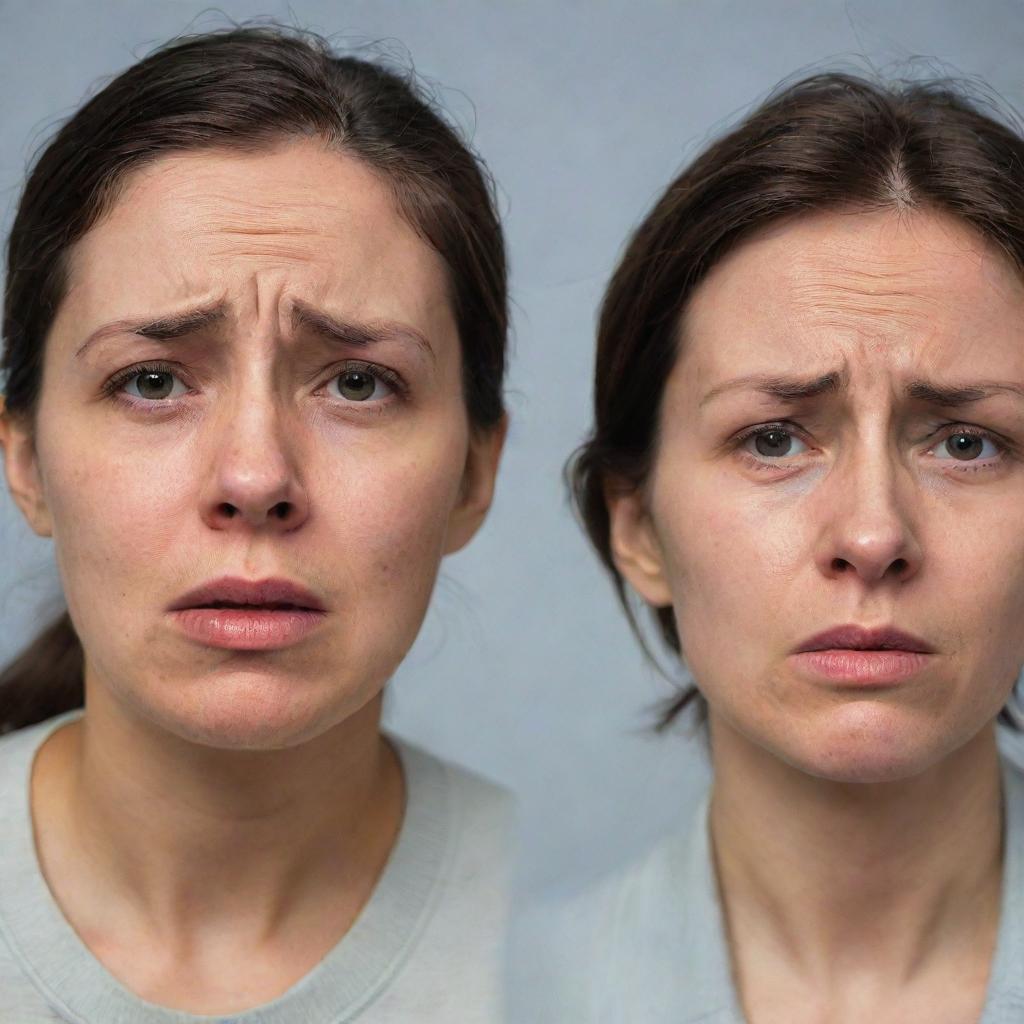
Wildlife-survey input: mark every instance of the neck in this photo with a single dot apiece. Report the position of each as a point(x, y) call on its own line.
point(825, 880)
point(187, 838)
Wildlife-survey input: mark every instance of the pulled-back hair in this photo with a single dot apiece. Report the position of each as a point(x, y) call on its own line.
point(247, 89)
point(829, 141)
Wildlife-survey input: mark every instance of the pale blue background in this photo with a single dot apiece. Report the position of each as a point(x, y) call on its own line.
point(526, 670)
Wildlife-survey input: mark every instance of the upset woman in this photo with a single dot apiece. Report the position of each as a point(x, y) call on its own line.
point(254, 342)
point(808, 461)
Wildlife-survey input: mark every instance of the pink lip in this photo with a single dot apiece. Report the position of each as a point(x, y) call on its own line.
point(863, 657)
point(247, 629)
point(236, 590)
point(263, 627)
point(854, 637)
point(862, 668)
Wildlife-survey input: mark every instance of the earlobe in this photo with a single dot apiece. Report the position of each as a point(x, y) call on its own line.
point(21, 471)
point(477, 488)
point(635, 548)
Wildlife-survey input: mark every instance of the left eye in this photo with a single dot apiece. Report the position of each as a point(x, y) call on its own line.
point(965, 446)
point(361, 385)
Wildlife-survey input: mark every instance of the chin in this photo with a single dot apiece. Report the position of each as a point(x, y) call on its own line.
point(866, 742)
point(255, 711)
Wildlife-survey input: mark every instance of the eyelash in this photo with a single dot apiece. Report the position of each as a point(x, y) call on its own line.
point(951, 430)
point(112, 388)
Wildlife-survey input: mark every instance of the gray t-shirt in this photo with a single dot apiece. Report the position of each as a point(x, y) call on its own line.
point(646, 943)
point(427, 946)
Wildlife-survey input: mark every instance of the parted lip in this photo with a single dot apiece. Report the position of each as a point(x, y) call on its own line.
point(857, 638)
point(235, 590)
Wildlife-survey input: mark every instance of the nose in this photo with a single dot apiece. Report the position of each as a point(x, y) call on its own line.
point(868, 529)
point(252, 481)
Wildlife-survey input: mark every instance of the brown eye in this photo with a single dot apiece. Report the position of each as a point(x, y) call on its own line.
point(358, 385)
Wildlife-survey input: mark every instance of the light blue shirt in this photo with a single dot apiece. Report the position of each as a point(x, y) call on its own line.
point(425, 948)
point(646, 944)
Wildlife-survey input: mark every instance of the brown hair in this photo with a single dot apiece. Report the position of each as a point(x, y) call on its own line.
point(827, 141)
point(244, 88)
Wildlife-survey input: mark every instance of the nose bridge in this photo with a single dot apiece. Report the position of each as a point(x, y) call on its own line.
point(253, 469)
point(870, 530)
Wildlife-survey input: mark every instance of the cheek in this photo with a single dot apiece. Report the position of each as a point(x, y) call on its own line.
point(732, 561)
point(377, 515)
point(978, 590)
point(110, 527)
point(391, 526)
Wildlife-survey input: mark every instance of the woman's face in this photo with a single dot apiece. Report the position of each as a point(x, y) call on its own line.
point(867, 506)
point(310, 425)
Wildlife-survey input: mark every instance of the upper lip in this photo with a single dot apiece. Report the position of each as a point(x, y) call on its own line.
point(236, 590)
point(854, 637)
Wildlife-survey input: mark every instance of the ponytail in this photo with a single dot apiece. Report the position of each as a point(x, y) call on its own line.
point(46, 679)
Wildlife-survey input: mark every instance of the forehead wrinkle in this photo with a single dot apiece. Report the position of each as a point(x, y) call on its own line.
point(265, 231)
point(278, 250)
point(222, 214)
point(849, 301)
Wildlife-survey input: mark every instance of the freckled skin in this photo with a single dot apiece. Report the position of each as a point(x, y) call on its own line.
point(868, 518)
point(136, 503)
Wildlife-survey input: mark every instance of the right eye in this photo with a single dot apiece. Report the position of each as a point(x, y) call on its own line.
point(771, 442)
point(145, 384)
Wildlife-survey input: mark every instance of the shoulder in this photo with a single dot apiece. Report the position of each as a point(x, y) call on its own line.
point(18, 748)
point(645, 941)
point(479, 812)
point(575, 948)
point(1011, 749)
point(457, 840)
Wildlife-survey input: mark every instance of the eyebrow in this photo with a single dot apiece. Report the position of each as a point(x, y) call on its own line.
point(786, 388)
point(163, 328)
point(178, 325)
point(359, 334)
point(793, 389)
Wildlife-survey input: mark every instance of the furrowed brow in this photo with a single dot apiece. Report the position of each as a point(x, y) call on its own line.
point(164, 328)
point(359, 334)
point(788, 389)
point(954, 396)
point(793, 389)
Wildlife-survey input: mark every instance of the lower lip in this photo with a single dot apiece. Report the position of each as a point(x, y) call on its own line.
point(240, 629)
point(863, 668)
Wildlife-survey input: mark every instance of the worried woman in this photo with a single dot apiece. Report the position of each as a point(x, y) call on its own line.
point(255, 327)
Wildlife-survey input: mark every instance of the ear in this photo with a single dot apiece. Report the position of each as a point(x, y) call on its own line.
point(477, 490)
point(22, 471)
point(635, 548)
